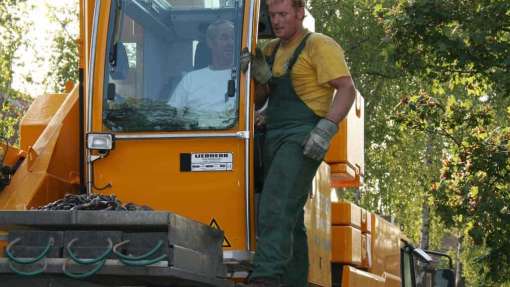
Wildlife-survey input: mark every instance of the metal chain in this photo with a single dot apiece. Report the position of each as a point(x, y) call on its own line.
point(92, 202)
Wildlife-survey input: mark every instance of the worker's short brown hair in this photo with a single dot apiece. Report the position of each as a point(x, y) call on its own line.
point(295, 3)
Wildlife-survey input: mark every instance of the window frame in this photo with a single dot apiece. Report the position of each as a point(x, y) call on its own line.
point(238, 11)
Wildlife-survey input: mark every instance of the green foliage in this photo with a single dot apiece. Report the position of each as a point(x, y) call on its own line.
point(472, 193)
point(435, 78)
point(397, 180)
point(11, 38)
point(65, 61)
point(462, 49)
point(449, 40)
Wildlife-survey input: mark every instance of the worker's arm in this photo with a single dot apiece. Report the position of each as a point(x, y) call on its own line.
point(344, 97)
point(317, 143)
point(261, 73)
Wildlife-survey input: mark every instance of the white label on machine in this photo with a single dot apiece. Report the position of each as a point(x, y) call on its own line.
point(211, 161)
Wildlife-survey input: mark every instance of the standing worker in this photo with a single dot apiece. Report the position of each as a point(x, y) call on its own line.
point(299, 79)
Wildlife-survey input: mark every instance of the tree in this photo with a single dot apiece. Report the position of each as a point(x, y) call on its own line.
point(65, 60)
point(472, 193)
point(462, 48)
point(10, 38)
point(12, 28)
point(456, 53)
point(11, 102)
point(453, 40)
point(397, 180)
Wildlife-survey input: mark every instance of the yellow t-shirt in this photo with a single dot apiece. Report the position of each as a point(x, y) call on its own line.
point(321, 61)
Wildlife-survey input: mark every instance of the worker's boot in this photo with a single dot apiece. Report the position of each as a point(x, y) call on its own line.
point(260, 282)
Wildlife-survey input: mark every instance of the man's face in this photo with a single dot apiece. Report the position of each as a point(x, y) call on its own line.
point(222, 45)
point(285, 19)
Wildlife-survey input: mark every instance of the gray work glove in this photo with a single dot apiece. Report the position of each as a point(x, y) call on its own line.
point(317, 143)
point(245, 59)
point(260, 70)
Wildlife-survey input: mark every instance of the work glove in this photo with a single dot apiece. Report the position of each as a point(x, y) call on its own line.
point(317, 143)
point(260, 70)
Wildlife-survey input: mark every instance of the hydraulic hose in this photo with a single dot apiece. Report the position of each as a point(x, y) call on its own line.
point(85, 274)
point(30, 273)
point(26, 261)
point(89, 261)
point(136, 258)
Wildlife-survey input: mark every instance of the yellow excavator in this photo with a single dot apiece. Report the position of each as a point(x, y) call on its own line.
point(116, 135)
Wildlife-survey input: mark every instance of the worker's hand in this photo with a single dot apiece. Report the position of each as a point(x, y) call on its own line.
point(260, 70)
point(245, 59)
point(317, 143)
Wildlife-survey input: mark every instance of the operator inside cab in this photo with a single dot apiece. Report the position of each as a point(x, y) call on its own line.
point(204, 92)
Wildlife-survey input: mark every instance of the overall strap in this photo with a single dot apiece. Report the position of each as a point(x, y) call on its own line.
point(294, 57)
point(297, 52)
point(270, 60)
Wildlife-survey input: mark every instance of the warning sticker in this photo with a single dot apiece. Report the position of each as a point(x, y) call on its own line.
point(211, 161)
point(215, 225)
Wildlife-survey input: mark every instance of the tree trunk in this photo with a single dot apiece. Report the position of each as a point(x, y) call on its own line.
point(425, 226)
point(425, 212)
point(357, 196)
point(459, 280)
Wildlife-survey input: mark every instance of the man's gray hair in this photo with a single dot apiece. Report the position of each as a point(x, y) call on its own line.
point(213, 29)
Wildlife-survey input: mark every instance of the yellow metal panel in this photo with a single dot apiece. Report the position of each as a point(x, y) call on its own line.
point(392, 280)
point(346, 245)
point(148, 172)
point(366, 251)
point(385, 247)
point(37, 118)
point(345, 154)
point(345, 213)
point(9, 154)
point(317, 221)
point(337, 152)
point(99, 66)
point(251, 99)
point(52, 164)
point(352, 277)
point(366, 221)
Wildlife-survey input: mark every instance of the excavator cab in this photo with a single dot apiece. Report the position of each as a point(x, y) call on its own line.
point(171, 103)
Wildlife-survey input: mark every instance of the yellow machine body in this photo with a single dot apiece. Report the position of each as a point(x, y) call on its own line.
point(147, 169)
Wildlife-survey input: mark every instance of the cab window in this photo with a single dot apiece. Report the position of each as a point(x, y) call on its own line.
point(172, 65)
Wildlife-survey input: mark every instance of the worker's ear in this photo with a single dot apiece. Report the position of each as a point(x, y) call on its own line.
point(300, 13)
point(209, 42)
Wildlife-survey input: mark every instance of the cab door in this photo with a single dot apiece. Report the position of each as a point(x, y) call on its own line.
point(179, 122)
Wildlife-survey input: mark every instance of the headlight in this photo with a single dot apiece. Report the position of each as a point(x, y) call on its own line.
point(100, 141)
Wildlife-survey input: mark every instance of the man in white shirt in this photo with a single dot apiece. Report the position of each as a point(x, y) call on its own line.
point(203, 93)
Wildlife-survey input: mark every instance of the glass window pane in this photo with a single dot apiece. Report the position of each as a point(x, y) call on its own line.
point(172, 65)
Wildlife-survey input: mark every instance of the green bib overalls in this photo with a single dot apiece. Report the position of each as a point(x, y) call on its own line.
point(282, 249)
